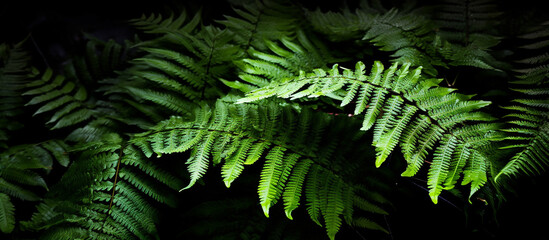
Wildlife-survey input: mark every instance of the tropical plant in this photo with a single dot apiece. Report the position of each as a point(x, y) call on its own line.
point(306, 107)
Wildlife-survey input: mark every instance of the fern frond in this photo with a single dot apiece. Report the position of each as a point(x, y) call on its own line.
point(69, 99)
point(157, 24)
point(292, 192)
point(21, 172)
point(282, 59)
point(527, 132)
point(289, 166)
point(263, 20)
point(15, 73)
point(410, 36)
point(337, 26)
point(404, 109)
point(7, 218)
point(54, 92)
point(468, 23)
point(334, 207)
point(533, 140)
point(440, 167)
point(108, 193)
point(182, 67)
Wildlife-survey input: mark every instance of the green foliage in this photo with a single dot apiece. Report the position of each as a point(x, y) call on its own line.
point(15, 72)
point(239, 135)
point(399, 104)
point(107, 193)
point(21, 170)
point(528, 117)
point(97, 147)
point(410, 36)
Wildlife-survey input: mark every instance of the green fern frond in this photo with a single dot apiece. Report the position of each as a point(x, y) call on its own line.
point(531, 137)
point(527, 132)
point(108, 193)
point(281, 60)
point(54, 92)
point(293, 190)
point(468, 22)
point(21, 172)
point(187, 72)
point(7, 214)
point(403, 108)
point(157, 24)
point(68, 98)
point(289, 166)
point(15, 72)
point(263, 20)
point(417, 44)
point(411, 37)
point(338, 26)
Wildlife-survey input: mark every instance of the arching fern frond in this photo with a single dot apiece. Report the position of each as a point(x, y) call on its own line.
point(109, 192)
point(237, 135)
point(403, 109)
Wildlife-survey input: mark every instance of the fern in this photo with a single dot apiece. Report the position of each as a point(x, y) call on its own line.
point(15, 72)
point(528, 128)
point(390, 99)
point(222, 133)
point(108, 193)
point(303, 53)
point(123, 119)
point(22, 168)
point(66, 100)
point(263, 20)
point(157, 24)
point(468, 22)
point(409, 36)
point(193, 69)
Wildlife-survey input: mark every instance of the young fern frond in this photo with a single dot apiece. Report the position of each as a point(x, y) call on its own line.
point(237, 135)
point(403, 109)
point(107, 193)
